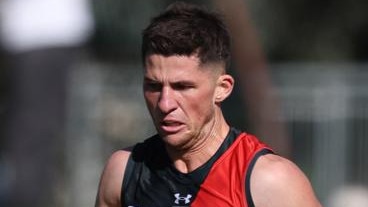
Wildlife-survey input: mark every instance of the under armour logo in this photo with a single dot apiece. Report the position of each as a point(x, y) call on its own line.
point(181, 198)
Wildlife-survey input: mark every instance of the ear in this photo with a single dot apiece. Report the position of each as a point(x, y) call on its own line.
point(225, 85)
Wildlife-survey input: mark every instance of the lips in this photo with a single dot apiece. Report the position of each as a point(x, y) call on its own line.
point(171, 126)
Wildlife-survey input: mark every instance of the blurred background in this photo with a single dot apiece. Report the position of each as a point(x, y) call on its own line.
point(70, 91)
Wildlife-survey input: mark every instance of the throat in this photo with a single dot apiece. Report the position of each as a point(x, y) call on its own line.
point(186, 161)
point(190, 163)
point(201, 147)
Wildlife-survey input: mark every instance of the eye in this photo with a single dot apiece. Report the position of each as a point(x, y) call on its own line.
point(152, 86)
point(181, 86)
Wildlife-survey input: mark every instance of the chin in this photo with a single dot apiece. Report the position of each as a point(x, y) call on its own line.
point(175, 140)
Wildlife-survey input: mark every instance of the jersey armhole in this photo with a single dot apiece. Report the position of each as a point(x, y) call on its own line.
point(127, 176)
point(248, 194)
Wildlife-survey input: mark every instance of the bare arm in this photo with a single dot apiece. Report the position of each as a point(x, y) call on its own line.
point(277, 182)
point(109, 190)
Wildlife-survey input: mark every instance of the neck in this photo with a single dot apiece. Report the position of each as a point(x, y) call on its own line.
point(204, 147)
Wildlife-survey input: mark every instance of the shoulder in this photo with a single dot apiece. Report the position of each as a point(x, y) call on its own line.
point(276, 181)
point(109, 191)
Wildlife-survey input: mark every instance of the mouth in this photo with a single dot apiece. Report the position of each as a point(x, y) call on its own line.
point(171, 126)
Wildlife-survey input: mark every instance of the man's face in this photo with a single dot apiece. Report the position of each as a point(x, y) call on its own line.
point(180, 97)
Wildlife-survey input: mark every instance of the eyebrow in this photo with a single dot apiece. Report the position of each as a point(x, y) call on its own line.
point(147, 79)
point(179, 82)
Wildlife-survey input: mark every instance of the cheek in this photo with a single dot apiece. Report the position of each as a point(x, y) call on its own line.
point(203, 105)
point(151, 100)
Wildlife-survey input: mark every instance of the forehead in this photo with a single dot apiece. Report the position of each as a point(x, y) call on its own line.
point(162, 67)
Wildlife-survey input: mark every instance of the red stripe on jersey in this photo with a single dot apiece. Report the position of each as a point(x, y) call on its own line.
point(226, 181)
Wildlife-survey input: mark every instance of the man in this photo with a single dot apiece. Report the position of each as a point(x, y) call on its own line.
point(196, 159)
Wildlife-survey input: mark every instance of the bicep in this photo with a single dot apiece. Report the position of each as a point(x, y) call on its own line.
point(109, 190)
point(276, 181)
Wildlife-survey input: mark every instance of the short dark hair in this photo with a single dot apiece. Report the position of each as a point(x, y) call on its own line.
point(187, 29)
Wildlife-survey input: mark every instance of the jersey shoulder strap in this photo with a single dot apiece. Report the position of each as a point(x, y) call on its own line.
point(228, 182)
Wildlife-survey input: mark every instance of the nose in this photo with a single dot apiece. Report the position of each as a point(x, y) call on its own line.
point(167, 102)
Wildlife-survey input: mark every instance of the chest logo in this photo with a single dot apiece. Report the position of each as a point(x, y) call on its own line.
point(180, 199)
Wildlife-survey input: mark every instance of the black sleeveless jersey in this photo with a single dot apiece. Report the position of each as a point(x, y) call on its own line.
point(150, 179)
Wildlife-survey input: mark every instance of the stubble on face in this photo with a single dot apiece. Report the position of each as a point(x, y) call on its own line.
point(179, 94)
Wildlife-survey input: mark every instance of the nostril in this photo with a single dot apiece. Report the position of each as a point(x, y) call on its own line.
point(166, 106)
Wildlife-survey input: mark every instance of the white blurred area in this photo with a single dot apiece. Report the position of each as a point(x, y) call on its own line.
point(43, 41)
point(32, 24)
point(349, 196)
